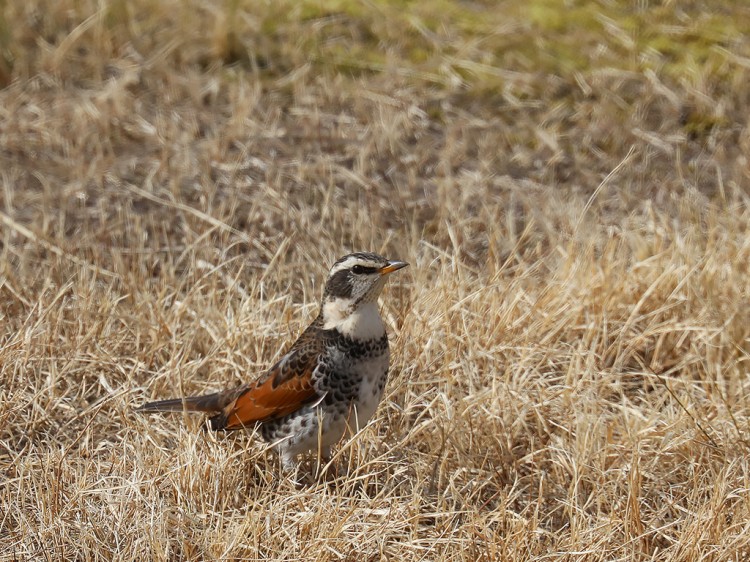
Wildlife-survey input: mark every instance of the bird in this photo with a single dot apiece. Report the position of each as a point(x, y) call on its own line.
point(329, 382)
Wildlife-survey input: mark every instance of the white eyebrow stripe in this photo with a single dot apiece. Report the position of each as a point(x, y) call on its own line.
point(351, 262)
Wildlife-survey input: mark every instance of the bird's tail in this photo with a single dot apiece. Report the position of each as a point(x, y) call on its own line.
point(210, 403)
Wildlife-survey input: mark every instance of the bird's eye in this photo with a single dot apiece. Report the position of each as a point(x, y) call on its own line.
point(363, 270)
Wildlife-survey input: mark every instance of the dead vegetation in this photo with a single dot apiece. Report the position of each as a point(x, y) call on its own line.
point(570, 183)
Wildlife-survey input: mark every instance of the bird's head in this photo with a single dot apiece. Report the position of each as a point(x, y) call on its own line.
point(355, 280)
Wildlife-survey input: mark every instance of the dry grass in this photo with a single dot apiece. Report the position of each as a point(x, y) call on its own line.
point(571, 344)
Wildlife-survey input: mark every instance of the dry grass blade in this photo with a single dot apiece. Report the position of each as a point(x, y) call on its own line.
point(27, 233)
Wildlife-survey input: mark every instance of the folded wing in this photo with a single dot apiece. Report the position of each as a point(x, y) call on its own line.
point(287, 387)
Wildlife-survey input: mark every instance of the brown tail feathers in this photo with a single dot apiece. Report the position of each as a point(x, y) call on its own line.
point(210, 403)
point(220, 404)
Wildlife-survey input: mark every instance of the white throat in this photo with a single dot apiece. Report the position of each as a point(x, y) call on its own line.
point(362, 324)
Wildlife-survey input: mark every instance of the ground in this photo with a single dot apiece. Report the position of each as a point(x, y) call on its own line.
point(570, 346)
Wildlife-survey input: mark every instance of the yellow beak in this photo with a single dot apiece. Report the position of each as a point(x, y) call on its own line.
point(392, 266)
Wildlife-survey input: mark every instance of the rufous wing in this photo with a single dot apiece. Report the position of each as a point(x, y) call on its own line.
point(285, 388)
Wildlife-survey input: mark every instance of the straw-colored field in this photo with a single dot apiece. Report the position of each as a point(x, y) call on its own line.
point(570, 346)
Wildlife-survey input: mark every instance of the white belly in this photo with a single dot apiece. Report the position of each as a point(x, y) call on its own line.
point(374, 374)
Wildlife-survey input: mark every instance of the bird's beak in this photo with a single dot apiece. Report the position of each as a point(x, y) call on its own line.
point(392, 266)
